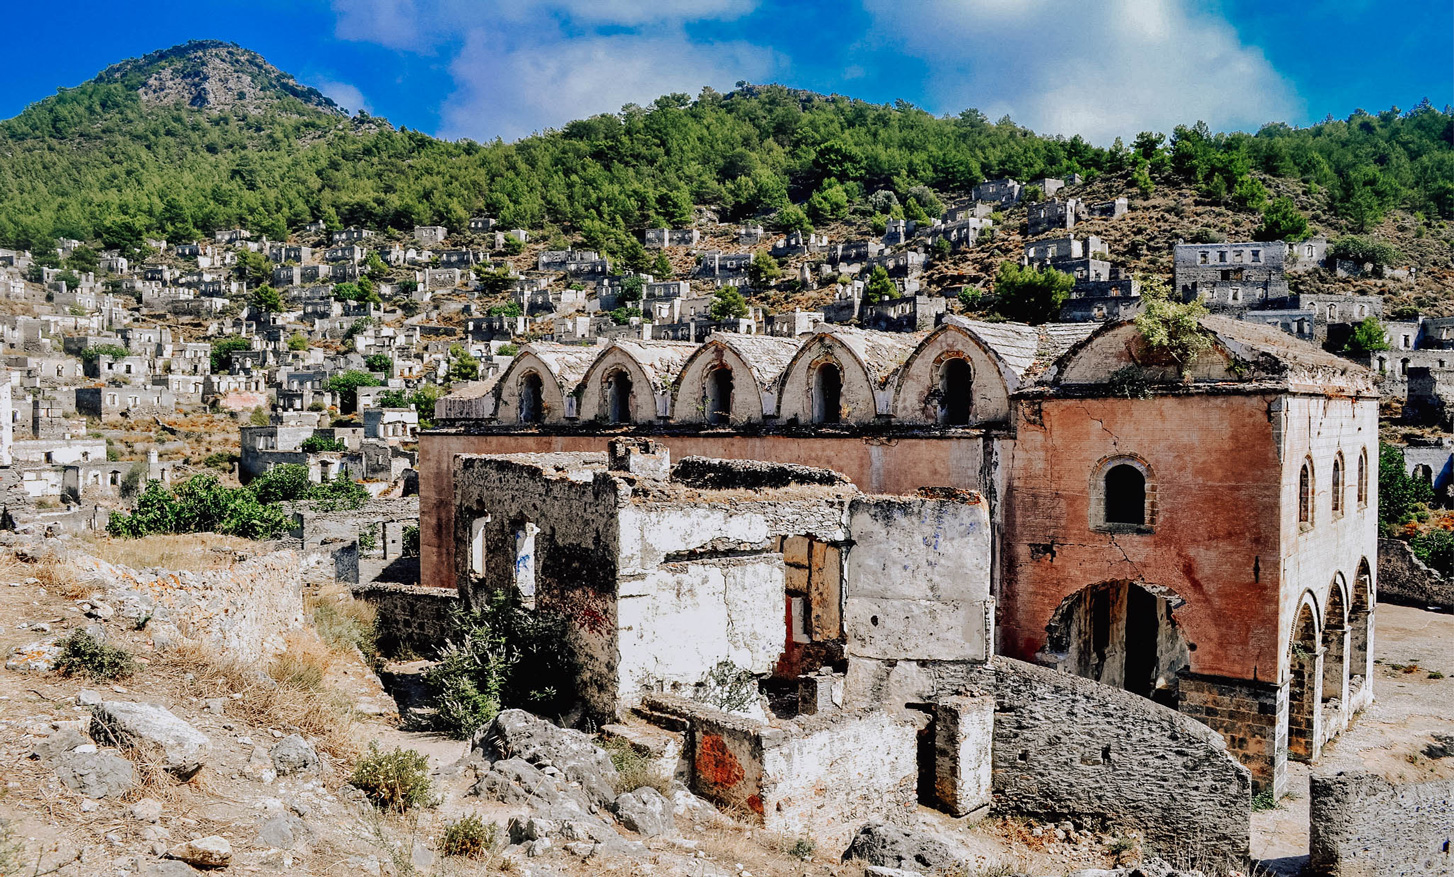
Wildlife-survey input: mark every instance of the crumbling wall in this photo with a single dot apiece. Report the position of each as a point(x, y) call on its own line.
point(820, 777)
point(1403, 578)
point(1065, 746)
point(410, 617)
point(242, 611)
point(919, 611)
point(1362, 825)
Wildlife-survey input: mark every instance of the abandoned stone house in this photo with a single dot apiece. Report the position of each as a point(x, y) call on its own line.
point(1231, 276)
point(876, 651)
point(1206, 543)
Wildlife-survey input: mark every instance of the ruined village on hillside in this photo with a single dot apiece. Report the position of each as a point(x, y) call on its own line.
point(470, 550)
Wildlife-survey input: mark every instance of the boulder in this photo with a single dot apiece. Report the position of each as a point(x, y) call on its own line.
point(95, 774)
point(518, 734)
point(37, 657)
point(292, 754)
point(281, 831)
point(646, 812)
point(58, 744)
point(891, 846)
point(171, 869)
point(122, 723)
point(204, 852)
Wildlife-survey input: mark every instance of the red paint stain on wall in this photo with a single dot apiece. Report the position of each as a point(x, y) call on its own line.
point(717, 765)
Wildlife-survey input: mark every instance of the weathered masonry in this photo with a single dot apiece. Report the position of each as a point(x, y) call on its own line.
point(826, 655)
point(1202, 536)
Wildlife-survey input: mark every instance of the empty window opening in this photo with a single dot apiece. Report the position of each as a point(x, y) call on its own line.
point(477, 544)
point(956, 392)
point(1362, 479)
point(618, 397)
point(1425, 473)
point(1338, 486)
point(525, 559)
point(532, 408)
point(827, 394)
point(1125, 495)
point(718, 401)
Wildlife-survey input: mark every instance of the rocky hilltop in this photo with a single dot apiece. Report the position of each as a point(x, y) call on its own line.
point(212, 75)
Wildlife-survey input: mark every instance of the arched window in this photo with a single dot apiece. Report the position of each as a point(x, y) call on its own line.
point(618, 397)
point(1125, 495)
point(1338, 485)
point(1305, 494)
point(532, 391)
point(718, 397)
point(827, 394)
point(1363, 478)
point(956, 392)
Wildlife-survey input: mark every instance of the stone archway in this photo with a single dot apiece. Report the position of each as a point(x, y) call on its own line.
point(1304, 693)
point(1120, 633)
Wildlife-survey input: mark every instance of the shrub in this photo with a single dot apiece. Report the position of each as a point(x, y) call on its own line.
point(802, 849)
point(83, 654)
point(727, 687)
point(1030, 295)
point(411, 541)
point(634, 770)
point(340, 494)
point(285, 483)
point(318, 444)
point(379, 362)
point(397, 780)
point(471, 837)
point(199, 505)
point(1436, 549)
point(1400, 496)
point(502, 655)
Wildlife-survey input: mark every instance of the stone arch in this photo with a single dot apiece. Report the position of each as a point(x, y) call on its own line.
point(1305, 680)
point(689, 400)
point(1120, 633)
point(1335, 643)
point(552, 395)
point(617, 389)
point(797, 396)
point(919, 393)
point(531, 393)
point(828, 392)
point(1360, 629)
point(1117, 483)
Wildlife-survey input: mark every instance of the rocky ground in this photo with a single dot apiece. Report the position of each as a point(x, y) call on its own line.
point(197, 760)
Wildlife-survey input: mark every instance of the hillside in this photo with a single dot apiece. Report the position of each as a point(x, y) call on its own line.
point(208, 135)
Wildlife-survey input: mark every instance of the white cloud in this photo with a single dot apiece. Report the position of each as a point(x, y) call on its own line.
point(523, 65)
point(513, 90)
point(1062, 66)
point(345, 95)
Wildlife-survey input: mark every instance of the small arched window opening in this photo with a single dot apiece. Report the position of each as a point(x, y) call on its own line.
point(532, 407)
point(827, 394)
point(618, 397)
point(718, 398)
point(1305, 494)
point(956, 392)
point(1363, 479)
point(1338, 486)
point(1125, 495)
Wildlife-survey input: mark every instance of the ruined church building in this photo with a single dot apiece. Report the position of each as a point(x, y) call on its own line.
point(1201, 536)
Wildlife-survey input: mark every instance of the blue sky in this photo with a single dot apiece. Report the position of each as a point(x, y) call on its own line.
point(488, 68)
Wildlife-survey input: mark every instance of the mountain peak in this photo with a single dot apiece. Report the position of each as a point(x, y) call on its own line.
point(212, 75)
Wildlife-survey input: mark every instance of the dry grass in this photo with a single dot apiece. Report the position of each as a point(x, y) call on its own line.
point(303, 664)
point(194, 551)
point(344, 623)
point(291, 705)
point(58, 576)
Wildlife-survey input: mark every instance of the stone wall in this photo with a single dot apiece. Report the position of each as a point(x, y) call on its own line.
point(242, 611)
point(1364, 826)
point(1252, 719)
point(820, 777)
point(1065, 746)
point(1404, 579)
point(412, 618)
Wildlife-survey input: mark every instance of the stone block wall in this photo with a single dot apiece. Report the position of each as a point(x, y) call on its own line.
point(1364, 826)
point(410, 617)
point(820, 777)
point(1065, 746)
point(1249, 716)
point(1403, 578)
point(963, 769)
